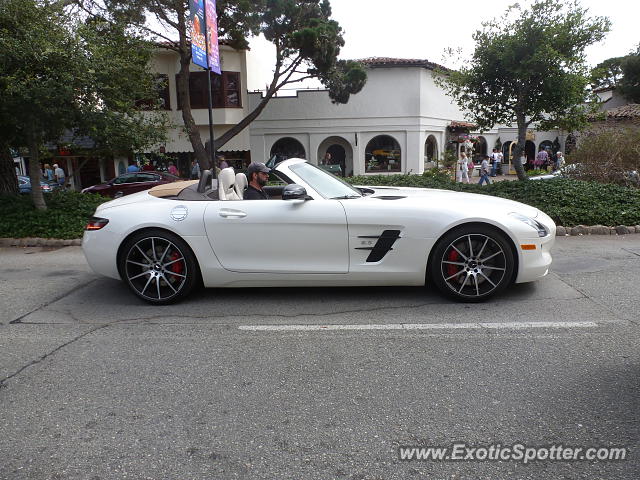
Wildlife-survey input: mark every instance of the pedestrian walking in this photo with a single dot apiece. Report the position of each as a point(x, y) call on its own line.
point(559, 160)
point(48, 173)
point(484, 171)
point(462, 168)
point(195, 170)
point(541, 158)
point(59, 175)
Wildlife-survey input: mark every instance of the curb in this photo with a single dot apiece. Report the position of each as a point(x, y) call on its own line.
point(596, 230)
point(39, 242)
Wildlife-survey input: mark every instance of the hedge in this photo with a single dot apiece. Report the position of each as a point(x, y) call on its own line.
point(65, 217)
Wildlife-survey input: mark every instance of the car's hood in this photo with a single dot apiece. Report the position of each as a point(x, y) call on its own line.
point(451, 199)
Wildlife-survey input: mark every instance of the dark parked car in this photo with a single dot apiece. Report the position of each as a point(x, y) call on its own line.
point(128, 183)
point(24, 183)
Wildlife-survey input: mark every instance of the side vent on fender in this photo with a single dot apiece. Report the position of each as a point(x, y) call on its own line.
point(382, 246)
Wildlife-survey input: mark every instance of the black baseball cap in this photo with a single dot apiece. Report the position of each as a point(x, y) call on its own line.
point(257, 167)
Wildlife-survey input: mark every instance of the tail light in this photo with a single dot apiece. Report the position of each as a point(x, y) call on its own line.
point(96, 223)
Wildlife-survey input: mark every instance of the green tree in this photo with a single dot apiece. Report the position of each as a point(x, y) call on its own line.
point(528, 68)
point(306, 39)
point(607, 74)
point(59, 72)
point(630, 83)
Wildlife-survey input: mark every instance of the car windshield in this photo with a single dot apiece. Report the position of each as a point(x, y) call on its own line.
point(326, 184)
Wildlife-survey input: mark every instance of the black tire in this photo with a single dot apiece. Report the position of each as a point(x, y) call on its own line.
point(158, 267)
point(472, 263)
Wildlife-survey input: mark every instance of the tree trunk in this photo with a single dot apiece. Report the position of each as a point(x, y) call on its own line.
point(185, 100)
point(8, 179)
point(35, 174)
point(522, 139)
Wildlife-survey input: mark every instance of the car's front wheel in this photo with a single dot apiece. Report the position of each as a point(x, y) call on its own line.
point(158, 266)
point(472, 263)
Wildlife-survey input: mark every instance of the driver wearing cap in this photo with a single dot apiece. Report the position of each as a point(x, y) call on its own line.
point(257, 176)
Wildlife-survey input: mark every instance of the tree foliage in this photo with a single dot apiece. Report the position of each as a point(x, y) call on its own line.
point(58, 72)
point(306, 39)
point(630, 82)
point(607, 74)
point(528, 68)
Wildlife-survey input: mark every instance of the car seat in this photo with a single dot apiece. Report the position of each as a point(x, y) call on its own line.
point(241, 184)
point(226, 182)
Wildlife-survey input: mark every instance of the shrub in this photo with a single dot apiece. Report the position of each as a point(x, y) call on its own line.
point(608, 156)
point(65, 217)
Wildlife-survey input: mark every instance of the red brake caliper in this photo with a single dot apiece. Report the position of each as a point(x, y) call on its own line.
point(452, 257)
point(177, 267)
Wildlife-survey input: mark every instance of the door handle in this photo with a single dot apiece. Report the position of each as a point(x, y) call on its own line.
point(226, 213)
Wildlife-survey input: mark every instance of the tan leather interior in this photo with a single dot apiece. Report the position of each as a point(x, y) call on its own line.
point(171, 189)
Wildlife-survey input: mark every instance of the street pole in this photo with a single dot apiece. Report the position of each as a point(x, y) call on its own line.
point(212, 153)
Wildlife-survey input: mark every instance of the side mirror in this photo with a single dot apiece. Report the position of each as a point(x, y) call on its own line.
point(294, 192)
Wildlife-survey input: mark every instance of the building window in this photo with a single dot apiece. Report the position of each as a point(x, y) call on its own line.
point(225, 89)
point(383, 155)
point(287, 147)
point(162, 87)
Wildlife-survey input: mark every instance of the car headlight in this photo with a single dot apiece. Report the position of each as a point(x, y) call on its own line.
point(542, 230)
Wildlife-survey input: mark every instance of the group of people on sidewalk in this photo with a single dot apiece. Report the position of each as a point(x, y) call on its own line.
point(54, 174)
point(491, 166)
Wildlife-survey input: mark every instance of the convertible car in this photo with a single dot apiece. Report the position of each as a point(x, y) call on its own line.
point(315, 230)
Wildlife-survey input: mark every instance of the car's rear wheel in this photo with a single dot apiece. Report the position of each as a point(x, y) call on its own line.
point(472, 263)
point(158, 266)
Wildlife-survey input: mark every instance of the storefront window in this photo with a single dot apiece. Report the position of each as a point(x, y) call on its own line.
point(383, 155)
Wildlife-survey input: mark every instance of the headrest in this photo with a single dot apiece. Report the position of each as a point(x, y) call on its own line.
point(241, 184)
point(226, 181)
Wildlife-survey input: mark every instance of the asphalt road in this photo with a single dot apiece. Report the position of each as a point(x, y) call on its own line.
point(95, 384)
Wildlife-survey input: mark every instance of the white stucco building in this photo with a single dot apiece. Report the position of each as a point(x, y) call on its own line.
point(400, 119)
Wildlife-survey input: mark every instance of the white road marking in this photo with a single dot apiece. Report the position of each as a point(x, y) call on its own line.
point(419, 326)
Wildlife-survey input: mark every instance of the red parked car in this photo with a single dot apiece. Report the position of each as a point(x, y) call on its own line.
point(128, 183)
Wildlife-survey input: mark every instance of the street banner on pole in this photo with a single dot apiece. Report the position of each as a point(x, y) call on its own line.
point(212, 33)
point(198, 46)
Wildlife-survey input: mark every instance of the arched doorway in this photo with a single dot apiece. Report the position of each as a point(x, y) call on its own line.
point(431, 151)
point(287, 148)
point(547, 145)
point(507, 156)
point(507, 151)
point(479, 149)
point(341, 154)
point(570, 143)
point(383, 154)
point(530, 152)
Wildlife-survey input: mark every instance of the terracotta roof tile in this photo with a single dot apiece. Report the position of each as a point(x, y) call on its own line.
point(383, 62)
point(456, 124)
point(632, 110)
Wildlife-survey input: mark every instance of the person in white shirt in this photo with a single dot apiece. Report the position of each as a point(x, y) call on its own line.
point(59, 175)
point(496, 158)
point(462, 168)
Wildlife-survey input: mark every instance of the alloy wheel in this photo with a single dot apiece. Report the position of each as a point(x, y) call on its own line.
point(473, 265)
point(156, 268)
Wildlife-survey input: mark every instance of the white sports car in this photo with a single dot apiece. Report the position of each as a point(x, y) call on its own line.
point(315, 230)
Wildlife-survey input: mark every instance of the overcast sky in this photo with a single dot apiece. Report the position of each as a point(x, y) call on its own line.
point(424, 29)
